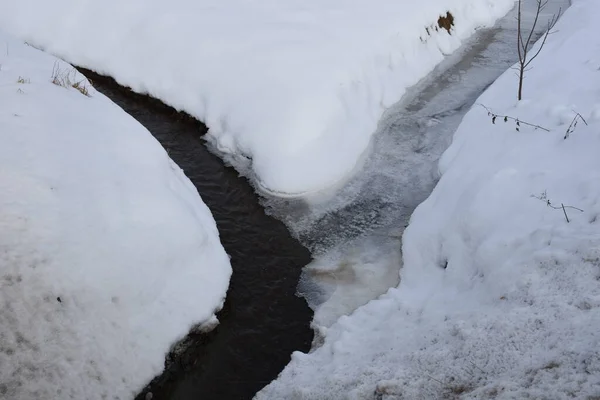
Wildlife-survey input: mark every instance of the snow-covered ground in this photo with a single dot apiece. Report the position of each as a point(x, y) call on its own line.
point(500, 294)
point(354, 234)
point(291, 90)
point(107, 253)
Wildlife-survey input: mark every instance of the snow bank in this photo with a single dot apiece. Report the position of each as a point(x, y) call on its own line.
point(291, 90)
point(107, 253)
point(500, 295)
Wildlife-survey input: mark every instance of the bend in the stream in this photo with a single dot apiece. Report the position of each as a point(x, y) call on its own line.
point(262, 321)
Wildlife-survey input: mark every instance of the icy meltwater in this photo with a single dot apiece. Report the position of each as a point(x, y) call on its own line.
point(355, 231)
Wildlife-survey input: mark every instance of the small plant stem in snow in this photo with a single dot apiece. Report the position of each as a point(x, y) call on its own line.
point(544, 197)
point(524, 46)
point(565, 211)
point(437, 380)
point(507, 117)
point(573, 124)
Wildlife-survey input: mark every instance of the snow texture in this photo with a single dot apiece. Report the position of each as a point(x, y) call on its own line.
point(291, 90)
point(500, 294)
point(107, 253)
point(354, 235)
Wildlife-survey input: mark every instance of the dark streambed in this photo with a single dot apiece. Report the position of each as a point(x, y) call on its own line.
point(263, 321)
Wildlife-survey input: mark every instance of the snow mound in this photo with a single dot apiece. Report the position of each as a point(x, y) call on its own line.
point(291, 90)
point(107, 253)
point(500, 294)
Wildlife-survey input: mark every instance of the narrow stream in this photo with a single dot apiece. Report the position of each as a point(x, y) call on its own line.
point(354, 233)
point(263, 321)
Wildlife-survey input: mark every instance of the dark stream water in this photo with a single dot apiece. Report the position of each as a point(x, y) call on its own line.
point(262, 321)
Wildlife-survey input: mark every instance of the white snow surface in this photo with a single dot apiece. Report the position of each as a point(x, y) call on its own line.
point(291, 90)
point(499, 295)
point(107, 253)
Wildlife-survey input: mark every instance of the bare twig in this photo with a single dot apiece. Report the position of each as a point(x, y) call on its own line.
point(565, 212)
point(505, 118)
point(540, 7)
point(437, 380)
point(544, 197)
point(551, 24)
point(573, 124)
point(524, 46)
point(519, 37)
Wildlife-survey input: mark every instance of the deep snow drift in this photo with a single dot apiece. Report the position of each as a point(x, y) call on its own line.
point(500, 295)
point(107, 253)
point(291, 90)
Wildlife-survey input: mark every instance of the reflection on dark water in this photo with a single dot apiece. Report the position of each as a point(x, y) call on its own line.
point(263, 321)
